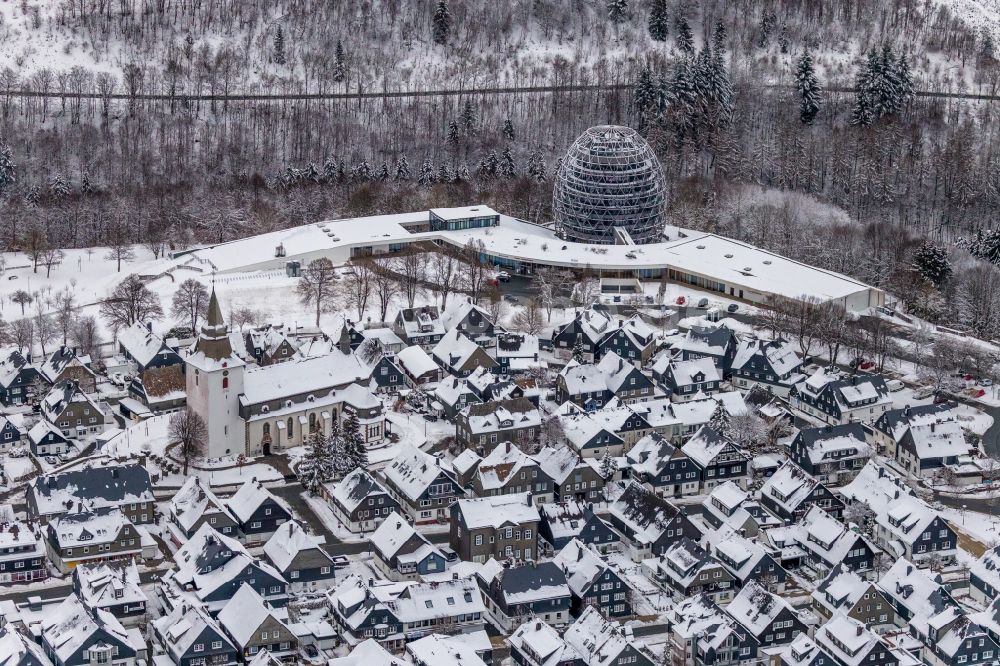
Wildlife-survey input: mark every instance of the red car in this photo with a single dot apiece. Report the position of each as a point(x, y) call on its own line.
point(867, 365)
point(681, 300)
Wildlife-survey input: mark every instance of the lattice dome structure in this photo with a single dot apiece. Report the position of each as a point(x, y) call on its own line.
point(610, 178)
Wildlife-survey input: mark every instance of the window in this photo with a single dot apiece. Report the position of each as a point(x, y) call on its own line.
point(199, 647)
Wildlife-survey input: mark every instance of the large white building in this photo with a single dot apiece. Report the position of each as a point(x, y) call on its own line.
point(260, 410)
point(703, 260)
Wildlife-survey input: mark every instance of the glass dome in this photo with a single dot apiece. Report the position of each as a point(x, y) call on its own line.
point(610, 178)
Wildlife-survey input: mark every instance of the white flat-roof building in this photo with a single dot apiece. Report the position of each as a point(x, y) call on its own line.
point(703, 260)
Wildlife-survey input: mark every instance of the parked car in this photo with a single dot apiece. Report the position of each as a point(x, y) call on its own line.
point(923, 392)
point(511, 298)
point(985, 382)
point(733, 307)
point(703, 303)
point(681, 300)
point(503, 276)
point(894, 385)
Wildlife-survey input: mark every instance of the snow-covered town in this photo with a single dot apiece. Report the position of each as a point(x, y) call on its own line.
point(677, 345)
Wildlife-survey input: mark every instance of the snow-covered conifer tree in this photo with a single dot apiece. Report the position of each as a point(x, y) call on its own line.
point(808, 87)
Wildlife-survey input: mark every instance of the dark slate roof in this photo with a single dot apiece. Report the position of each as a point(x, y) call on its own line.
point(113, 484)
point(810, 436)
point(892, 418)
point(531, 577)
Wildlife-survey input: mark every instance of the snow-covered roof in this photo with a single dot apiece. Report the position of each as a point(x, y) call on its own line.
point(826, 537)
point(409, 601)
point(497, 415)
point(318, 375)
point(250, 496)
point(755, 607)
point(581, 565)
point(352, 490)
point(705, 445)
point(498, 510)
point(465, 461)
point(392, 534)
point(288, 540)
point(905, 518)
point(543, 642)
point(88, 527)
point(184, 625)
point(16, 648)
point(779, 355)
point(599, 640)
point(915, 589)
point(416, 361)
point(141, 343)
point(501, 465)
point(102, 584)
point(841, 589)
point(192, 501)
point(583, 378)
point(645, 513)
point(455, 349)
point(244, 613)
point(932, 440)
point(699, 411)
point(875, 486)
point(70, 624)
point(835, 442)
point(789, 486)
point(440, 650)
point(847, 640)
point(412, 471)
point(558, 462)
point(368, 653)
point(685, 372)
point(802, 651)
point(43, 428)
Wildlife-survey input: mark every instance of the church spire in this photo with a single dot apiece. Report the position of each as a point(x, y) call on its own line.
point(213, 341)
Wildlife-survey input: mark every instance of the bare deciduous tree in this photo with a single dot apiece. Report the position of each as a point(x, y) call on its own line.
point(190, 302)
point(385, 286)
point(190, 432)
point(316, 285)
point(130, 302)
point(358, 286)
point(529, 318)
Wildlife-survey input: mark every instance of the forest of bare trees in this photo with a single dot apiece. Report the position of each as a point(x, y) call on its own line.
point(117, 167)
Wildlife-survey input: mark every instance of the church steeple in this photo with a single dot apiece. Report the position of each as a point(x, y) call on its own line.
point(213, 341)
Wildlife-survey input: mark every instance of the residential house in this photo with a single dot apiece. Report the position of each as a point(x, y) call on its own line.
point(189, 636)
point(536, 643)
point(770, 619)
point(395, 612)
point(210, 567)
point(591, 386)
point(730, 506)
point(146, 349)
point(926, 448)
point(828, 543)
point(44, 440)
point(833, 399)
point(649, 523)
point(418, 367)
point(22, 550)
point(953, 637)
point(20, 381)
point(386, 374)
point(460, 355)
point(717, 343)
point(299, 557)
point(65, 365)
point(503, 527)
point(771, 364)
point(481, 427)
point(633, 340)
point(422, 484)
point(441, 650)
point(574, 520)
point(790, 491)
point(834, 454)
point(685, 569)
point(507, 470)
point(359, 502)
point(604, 642)
point(802, 651)
point(11, 433)
point(703, 635)
point(472, 321)
point(269, 345)
point(747, 560)
point(75, 634)
point(195, 505)
point(421, 326)
point(573, 478)
point(91, 486)
point(582, 335)
point(984, 576)
point(529, 590)
point(115, 588)
point(844, 592)
point(99, 535)
point(517, 353)
point(663, 468)
point(19, 649)
point(76, 414)
point(257, 511)
point(589, 436)
point(851, 643)
point(253, 626)
point(890, 427)
point(161, 389)
point(683, 380)
point(915, 594)
point(402, 553)
point(718, 457)
point(593, 582)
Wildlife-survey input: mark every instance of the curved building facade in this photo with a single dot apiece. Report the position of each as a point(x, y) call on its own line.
point(610, 179)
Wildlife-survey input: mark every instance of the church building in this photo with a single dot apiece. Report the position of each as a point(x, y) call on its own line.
point(262, 410)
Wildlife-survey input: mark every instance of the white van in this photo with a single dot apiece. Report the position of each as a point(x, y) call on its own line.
point(895, 385)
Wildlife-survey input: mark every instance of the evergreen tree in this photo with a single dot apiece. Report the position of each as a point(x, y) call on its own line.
point(426, 173)
point(719, 39)
point(330, 170)
point(453, 135)
point(8, 170)
point(884, 84)
point(402, 169)
point(932, 263)
point(715, 83)
point(444, 174)
point(808, 87)
point(382, 174)
point(578, 352)
point(658, 21)
point(863, 111)
point(644, 98)
point(783, 38)
point(362, 172)
point(488, 168)
point(354, 443)
point(469, 118)
point(463, 175)
point(985, 245)
point(507, 170)
point(684, 101)
point(904, 82)
point(279, 45)
point(608, 466)
point(315, 467)
point(339, 66)
point(535, 168)
point(617, 10)
point(442, 23)
point(685, 38)
point(508, 130)
point(719, 422)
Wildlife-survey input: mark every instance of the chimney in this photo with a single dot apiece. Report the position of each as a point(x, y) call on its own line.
point(149, 326)
point(858, 628)
point(909, 569)
point(508, 446)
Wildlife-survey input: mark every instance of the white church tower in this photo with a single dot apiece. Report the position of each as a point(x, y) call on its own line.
point(214, 379)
